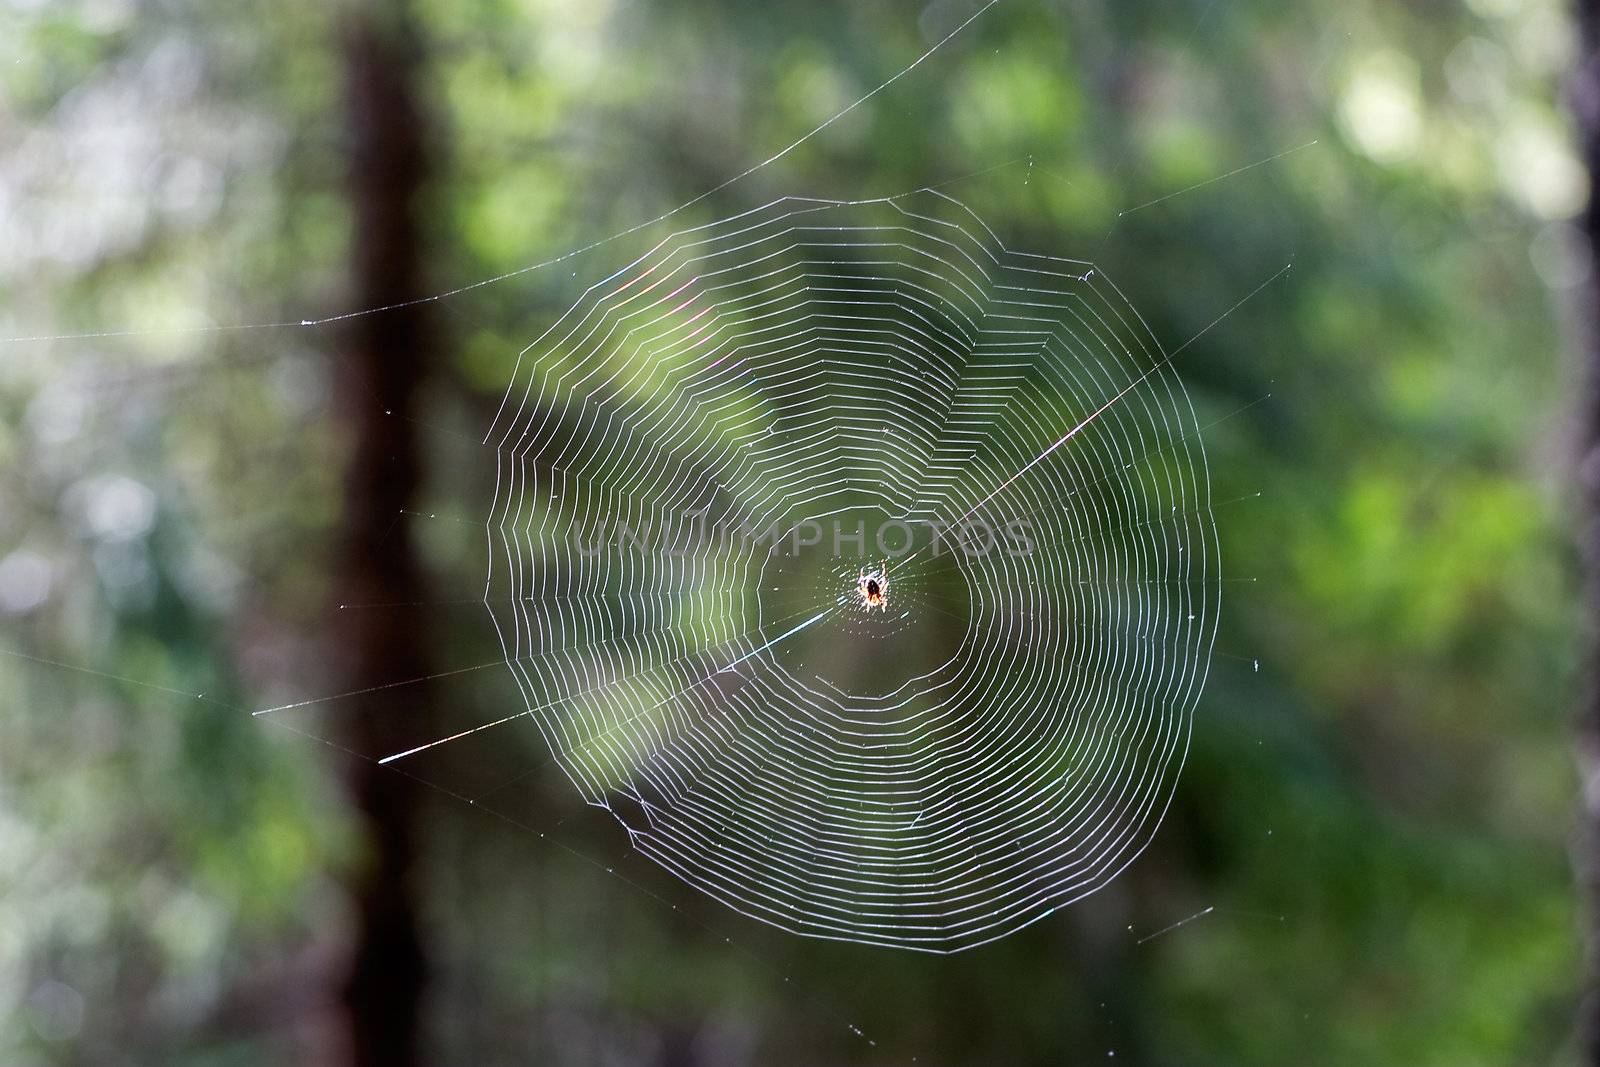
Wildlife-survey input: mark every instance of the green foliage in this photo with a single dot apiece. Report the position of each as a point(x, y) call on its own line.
point(1378, 800)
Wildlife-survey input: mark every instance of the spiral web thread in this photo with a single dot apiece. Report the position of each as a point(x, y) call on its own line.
point(751, 726)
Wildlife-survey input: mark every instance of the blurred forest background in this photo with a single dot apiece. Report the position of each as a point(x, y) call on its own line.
point(1380, 800)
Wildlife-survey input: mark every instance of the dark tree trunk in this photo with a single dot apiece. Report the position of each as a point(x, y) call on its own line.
point(1584, 100)
point(384, 356)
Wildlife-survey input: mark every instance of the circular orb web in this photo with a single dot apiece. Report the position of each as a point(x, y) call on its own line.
point(698, 460)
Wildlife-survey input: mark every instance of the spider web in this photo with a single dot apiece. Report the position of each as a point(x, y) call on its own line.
point(1003, 739)
point(697, 460)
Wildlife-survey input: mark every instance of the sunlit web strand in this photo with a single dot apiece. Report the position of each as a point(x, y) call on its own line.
point(553, 260)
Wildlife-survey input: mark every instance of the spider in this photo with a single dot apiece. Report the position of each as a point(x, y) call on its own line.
point(873, 589)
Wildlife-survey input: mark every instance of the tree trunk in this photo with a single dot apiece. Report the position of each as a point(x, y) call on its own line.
point(384, 357)
point(1584, 100)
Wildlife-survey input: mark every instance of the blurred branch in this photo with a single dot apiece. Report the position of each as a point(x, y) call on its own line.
point(385, 360)
point(1584, 100)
